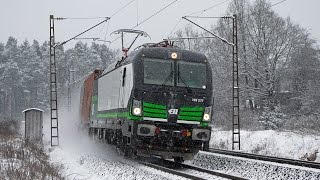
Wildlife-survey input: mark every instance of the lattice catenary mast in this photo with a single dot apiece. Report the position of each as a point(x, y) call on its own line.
point(235, 76)
point(53, 88)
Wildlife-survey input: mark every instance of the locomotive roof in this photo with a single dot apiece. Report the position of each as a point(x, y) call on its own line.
point(160, 53)
point(165, 53)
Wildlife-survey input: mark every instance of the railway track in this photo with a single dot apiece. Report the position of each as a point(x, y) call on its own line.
point(267, 158)
point(187, 171)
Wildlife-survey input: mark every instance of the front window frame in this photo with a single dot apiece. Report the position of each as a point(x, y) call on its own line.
point(196, 84)
point(173, 82)
point(165, 76)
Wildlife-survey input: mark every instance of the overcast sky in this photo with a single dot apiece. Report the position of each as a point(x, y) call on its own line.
point(29, 19)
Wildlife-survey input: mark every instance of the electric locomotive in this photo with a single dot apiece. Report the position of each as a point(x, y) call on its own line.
point(157, 101)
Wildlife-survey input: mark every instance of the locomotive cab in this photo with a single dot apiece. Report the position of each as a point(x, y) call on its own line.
point(173, 98)
point(157, 101)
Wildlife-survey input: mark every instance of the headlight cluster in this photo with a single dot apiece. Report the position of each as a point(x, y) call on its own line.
point(207, 114)
point(136, 108)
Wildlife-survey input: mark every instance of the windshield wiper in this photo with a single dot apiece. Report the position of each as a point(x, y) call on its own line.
point(165, 81)
point(184, 82)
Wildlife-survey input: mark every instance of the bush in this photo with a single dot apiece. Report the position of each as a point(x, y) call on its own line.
point(25, 160)
point(272, 118)
point(9, 127)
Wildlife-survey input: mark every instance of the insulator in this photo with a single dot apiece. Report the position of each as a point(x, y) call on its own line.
point(60, 18)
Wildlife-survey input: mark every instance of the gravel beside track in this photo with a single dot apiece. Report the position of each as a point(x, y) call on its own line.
point(253, 169)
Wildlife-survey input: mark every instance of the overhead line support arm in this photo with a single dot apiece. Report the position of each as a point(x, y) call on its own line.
point(107, 18)
point(222, 39)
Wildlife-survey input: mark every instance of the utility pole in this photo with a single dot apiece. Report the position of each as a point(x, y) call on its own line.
point(235, 90)
point(53, 88)
point(235, 75)
point(53, 77)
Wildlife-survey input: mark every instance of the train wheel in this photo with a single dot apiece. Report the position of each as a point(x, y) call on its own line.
point(108, 136)
point(178, 159)
point(134, 154)
point(89, 132)
point(205, 146)
point(126, 151)
point(114, 139)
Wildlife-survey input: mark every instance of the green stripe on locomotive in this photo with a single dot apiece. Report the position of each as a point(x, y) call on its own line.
point(155, 111)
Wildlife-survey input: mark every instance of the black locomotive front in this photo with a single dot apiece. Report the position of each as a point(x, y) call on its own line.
point(172, 95)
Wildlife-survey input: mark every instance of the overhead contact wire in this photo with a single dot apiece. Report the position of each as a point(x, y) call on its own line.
point(122, 8)
point(278, 3)
point(107, 29)
point(148, 18)
point(175, 26)
point(209, 8)
point(154, 14)
point(197, 13)
point(84, 18)
point(190, 16)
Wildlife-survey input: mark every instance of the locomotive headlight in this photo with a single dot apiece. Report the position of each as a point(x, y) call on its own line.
point(207, 114)
point(206, 117)
point(174, 55)
point(137, 111)
point(136, 108)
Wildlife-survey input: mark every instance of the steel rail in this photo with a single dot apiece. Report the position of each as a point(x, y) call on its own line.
point(216, 173)
point(172, 171)
point(267, 158)
point(185, 174)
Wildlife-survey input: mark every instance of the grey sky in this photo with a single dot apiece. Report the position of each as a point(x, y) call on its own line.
point(29, 19)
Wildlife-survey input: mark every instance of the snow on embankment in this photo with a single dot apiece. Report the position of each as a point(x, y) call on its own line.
point(83, 158)
point(271, 143)
point(21, 159)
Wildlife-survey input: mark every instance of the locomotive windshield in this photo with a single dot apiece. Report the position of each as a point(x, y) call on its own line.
point(191, 75)
point(162, 72)
point(158, 72)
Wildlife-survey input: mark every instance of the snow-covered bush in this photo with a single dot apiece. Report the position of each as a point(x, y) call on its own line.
point(20, 159)
point(272, 119)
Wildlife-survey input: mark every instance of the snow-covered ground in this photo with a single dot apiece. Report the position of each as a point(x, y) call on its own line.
point(272, 143)
point(90, 161)
point(253, 169)
point(83, 158)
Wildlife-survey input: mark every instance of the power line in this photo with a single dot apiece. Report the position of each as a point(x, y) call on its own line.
point(137, 3)
point(81, 33)
point(278, 3)
point(209, 8)
point(107, 29)
point(208, 17)
point(105, 35)
point(122, 8)
point(155, 14)
point(175, 26)
point(107, 18)
point(80, 18)
point(148, 18)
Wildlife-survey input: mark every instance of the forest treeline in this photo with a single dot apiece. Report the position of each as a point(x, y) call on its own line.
point(24, 72)
point(279, 68)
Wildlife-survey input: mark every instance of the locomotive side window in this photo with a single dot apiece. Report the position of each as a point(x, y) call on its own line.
point(124, 76)
point(159, 72)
